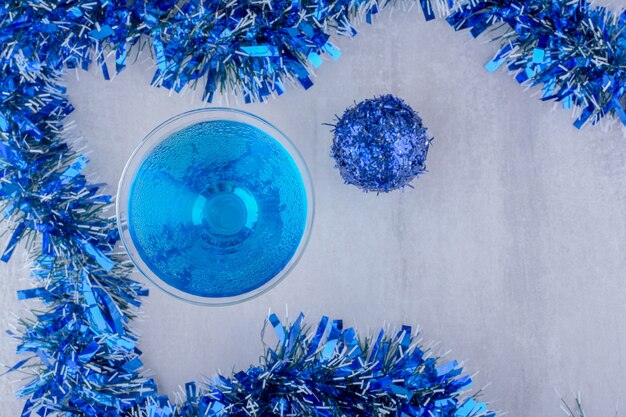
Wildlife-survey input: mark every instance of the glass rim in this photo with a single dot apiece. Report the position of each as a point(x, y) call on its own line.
point(157, 136)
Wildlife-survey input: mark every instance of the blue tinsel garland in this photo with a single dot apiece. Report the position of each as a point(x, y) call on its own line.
point(576, 52)
point(81, 351)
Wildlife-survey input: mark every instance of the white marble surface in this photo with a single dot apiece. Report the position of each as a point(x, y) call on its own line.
point(510, 252)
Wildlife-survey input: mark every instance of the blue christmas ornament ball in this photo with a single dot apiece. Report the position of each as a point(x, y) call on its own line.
point(380, 144)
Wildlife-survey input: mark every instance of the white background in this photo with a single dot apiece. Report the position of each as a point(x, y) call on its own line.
point(510, 252)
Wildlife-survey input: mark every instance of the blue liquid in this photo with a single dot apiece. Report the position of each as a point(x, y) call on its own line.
point(217, 209)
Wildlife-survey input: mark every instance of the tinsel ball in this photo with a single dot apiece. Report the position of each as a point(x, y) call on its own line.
point(380, 144)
